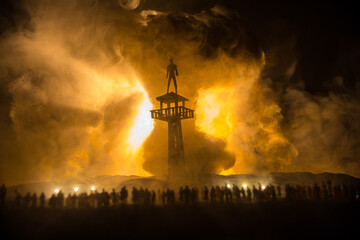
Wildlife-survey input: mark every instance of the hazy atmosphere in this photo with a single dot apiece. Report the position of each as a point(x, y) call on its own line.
point(272, 91)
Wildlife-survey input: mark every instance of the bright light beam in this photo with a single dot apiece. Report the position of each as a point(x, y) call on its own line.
point(143, 123)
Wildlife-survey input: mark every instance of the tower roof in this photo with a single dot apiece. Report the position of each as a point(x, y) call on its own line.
point(171, 98)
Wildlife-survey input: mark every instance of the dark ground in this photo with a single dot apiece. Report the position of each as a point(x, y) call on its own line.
point(271, 220)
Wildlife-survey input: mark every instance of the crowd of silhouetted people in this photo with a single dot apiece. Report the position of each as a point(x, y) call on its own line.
point(186, 195)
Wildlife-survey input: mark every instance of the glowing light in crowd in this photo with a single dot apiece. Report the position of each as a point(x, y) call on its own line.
point(244, 186)
point(76, 189)
point(92, 188)
point(228, 185)
point(262, 187)
point(57, 190)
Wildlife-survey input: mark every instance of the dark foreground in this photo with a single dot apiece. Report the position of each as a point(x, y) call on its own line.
point(270, 220)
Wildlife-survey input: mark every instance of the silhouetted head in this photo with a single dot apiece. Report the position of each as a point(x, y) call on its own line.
point(171, 60)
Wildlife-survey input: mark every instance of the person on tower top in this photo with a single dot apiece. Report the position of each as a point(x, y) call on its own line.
point(170, 74)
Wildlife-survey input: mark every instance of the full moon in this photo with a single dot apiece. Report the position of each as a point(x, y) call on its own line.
point(129, 4)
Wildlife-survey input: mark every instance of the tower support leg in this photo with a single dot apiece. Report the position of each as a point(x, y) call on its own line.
point(175, 148)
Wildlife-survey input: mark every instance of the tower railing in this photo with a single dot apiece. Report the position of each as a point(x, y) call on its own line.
point(165, 113)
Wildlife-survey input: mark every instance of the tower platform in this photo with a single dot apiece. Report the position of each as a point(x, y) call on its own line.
point(173, 109)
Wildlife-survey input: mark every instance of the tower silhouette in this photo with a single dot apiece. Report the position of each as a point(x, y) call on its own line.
point(173, 113)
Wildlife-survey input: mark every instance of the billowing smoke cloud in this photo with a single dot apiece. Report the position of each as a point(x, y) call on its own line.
point(73, 101)
point(325, 131)
point(77, 77)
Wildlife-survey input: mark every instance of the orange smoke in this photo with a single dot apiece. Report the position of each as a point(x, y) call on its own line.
point(246, 115)
point(214, 114)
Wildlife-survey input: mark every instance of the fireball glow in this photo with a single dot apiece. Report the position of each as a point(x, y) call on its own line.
point(242, 113)
point(214, 112)
point(143, 123)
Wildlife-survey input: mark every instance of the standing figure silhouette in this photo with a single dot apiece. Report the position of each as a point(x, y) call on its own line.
point(171, 71)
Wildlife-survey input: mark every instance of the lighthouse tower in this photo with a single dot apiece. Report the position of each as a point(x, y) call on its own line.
point(172, 110)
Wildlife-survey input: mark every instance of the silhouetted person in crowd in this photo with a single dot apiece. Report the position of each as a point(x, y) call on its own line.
point(255, 193)
point(147, 197)
point(92, 199)
point(135, 195)
point(181, 194)
point(52, 201)
point(74, 201)
point(171, 197)
point(212, 194)
point(69, 201)
point(329, 188)
point(2, 194)
point(193, 195)
point(105, 197)
point(248, 194)
point(272, 192)
point(34, 200)
point(242, 193)
point(220, 193)
point(278, 191)
point(170, 74)
point(60, 199)
point(228, 195)
point(168, 196)
point(353, 193)
point(325, 191)
point(163, 197)
point(288, 192)
point(187, 194)
point(206, 194)
point(337, 192)
point(159, 196)
point(27, 200)
point(309, 192)
point(123, 195)
point(83, 201)
point(317, 192)
point(113, 197)
point(42, 200)
point(153, 197)
point(141, 195)
point(236, 192)
point(303, 192)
